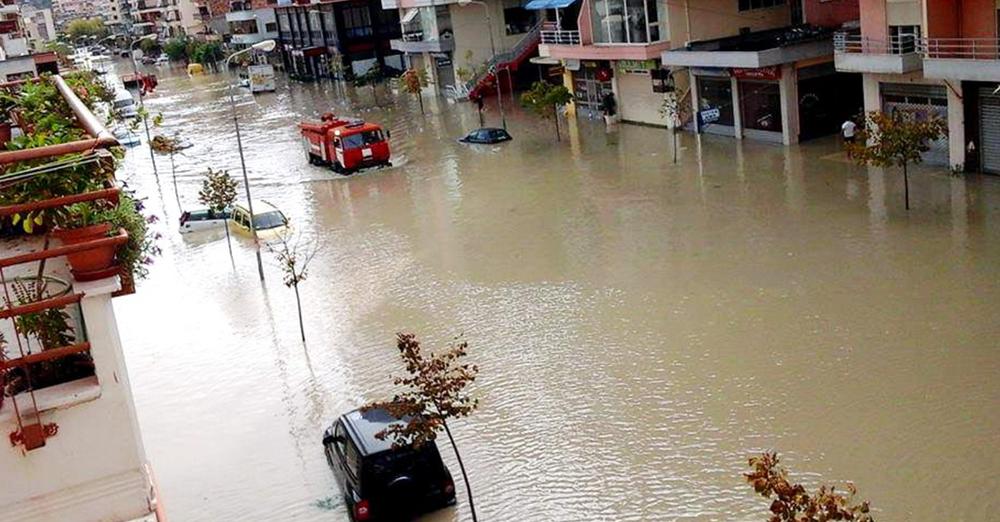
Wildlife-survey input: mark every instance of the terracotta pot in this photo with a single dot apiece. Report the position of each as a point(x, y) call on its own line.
point(92, 261)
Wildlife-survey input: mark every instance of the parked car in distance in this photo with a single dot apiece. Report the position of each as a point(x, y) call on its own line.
point(378, 481)
point(202, 219)
point(268, 220)
point(486, 136)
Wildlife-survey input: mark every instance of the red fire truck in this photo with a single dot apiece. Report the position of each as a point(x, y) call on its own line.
point(345, 144)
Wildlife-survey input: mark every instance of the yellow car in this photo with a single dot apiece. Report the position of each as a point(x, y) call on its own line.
point(270, 222)
point(195, 69)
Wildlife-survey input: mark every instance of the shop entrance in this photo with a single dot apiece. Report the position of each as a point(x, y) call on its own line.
point(589, 87)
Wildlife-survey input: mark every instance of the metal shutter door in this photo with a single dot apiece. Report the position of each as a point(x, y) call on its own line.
point(989, 130)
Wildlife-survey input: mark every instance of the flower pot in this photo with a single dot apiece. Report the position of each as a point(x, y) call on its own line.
point(89, 264)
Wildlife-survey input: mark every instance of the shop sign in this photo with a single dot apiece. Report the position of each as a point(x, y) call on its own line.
point(772, 72)
point(591, 64)
point(710, 115)
point(443, 62)
point(710, 71)
point(636, 65)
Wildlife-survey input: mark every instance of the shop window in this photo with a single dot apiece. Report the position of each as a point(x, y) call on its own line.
point(357, 22)
point(760, 106)
point(627, 21)
point(715, 101)
point(746, 5)
point(518, 20)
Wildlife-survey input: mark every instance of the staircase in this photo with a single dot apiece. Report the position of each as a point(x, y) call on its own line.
point(510, 60)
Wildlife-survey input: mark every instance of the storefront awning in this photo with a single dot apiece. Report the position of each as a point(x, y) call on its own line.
point(409, 15)
point(548, 4)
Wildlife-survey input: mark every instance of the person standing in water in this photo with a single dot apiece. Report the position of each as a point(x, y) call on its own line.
point(847, 130)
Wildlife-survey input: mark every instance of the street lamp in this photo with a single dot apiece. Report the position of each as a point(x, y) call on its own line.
point(265, 46)
point(493, 49)
point(142, 106)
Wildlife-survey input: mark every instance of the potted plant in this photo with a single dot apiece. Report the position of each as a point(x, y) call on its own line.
point(85, 222)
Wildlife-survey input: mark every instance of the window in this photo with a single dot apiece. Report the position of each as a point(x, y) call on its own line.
point(268, 220)
point(352, 460)
point(518, 20)
point(746, 5)
point(760, 106)
point(627, 21)
point(270, 27)
point(357, 22)
point(241, 219)
point(715, 101)
point(903, 38)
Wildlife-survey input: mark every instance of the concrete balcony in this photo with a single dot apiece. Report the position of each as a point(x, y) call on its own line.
point(855, 53)
point(414, 43)
point(252, 38)
point(240, 16)
point(966, 59)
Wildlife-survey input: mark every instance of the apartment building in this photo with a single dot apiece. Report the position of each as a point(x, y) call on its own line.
point(463, 46)
point(39, 26)
point(18, 59)
point(338, 39)
point(938, 58)
point(160, 17)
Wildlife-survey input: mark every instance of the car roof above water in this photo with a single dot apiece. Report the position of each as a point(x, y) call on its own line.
point(365, 424)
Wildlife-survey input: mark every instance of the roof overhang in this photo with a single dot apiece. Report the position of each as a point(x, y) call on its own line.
point(749, 59)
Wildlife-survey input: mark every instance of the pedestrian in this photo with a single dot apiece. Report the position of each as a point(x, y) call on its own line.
point(479, 107)
point(847, 131)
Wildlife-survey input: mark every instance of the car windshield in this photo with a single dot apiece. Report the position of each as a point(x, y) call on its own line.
point(362, 139)
point(273, 219)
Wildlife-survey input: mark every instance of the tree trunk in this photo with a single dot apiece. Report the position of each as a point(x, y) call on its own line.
point(675, 143)
point(906, 187)
point(229, 243)
point(465, 477)
point(555, 118)
point(420, 97)
point(298, 304)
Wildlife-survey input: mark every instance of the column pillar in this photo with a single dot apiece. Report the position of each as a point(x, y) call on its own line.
point(737, 113)
point(694, 101)
point(956, 125)
point(567, 79)
point(789, 89)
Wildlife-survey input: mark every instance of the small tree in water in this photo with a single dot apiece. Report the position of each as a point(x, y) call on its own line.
point(218, 192)
point(544, 99)
point(414, 81)
point(435, 392)
point(791, 501)
point(294, 263)
point(895, 140)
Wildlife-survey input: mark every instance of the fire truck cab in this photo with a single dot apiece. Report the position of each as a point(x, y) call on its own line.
point(346, 145)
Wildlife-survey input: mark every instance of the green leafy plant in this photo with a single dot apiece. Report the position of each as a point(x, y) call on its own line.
point(544, 99)
point(218, 192)
point(434, 392)
point(895, 140)
point(414, 81)
point(86, 28)
point(176, 48)
point(792, 503)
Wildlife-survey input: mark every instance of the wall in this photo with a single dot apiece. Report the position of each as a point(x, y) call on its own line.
point(830, 13)
point(471, 32)
point(636, 100)
point(718, 18)
point(904, 12)
point(874, 24)
point(978, 19)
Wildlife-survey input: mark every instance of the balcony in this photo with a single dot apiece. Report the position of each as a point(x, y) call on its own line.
point(755, 50)
point(568, 44)
point(856, 53)
point(240, 16)
point(413, 42)
point(252, 38)
point(966, 59)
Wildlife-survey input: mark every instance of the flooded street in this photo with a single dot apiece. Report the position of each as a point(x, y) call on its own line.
point(641, 327)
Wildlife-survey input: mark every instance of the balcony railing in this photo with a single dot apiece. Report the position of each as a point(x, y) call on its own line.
point(962, 48)
point(413, 36)
point(560, 37)
point(854, 43)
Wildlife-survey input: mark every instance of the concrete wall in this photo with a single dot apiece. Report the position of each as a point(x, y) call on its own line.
point(471, 32)
point(693, 20)
point(978, 18)
point(904, 12)
point(636, 100)
point(830, 13)
point(95, 467)
point(874, 22)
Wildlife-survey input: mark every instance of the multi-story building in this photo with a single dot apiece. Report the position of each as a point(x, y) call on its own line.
point(337, 39)
point(210, 18)
point(759, 69)
point(72, 446)
point(39, 26)
point(248, 25)
point(113, 12)
point(161, 17)
point(459, 43)
point(939, 58)
point(17, 58)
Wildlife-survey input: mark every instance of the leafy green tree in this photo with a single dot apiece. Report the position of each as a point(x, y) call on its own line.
point(791, 503)
point(414, 81)
point(435, 391)
point(544, 99)
point(176, 49)
point(149, 46)
point(206, 53)
point(218, 192)
point(895, 140)
point(86, 28)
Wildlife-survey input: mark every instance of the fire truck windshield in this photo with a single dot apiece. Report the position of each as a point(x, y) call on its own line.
point(362, 139)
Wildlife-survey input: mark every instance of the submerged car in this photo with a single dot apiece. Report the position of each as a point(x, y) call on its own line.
point(202, 219)
point(379, 481)
point(487, 136)
point(267, 219)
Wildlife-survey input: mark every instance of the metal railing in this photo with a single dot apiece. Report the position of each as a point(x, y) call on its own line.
point(854, 43)
point(413, 36)
point(556, 37)
point(530, 38)
point(962, 48)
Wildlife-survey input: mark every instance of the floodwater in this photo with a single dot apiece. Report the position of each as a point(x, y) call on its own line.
point(642, 327)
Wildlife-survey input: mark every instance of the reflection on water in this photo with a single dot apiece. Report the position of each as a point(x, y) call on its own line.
point(642, 327)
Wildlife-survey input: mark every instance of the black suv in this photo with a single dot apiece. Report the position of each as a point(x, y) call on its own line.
point(378, 481)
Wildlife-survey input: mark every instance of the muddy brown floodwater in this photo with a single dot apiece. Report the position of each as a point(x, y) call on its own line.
point(642, 327)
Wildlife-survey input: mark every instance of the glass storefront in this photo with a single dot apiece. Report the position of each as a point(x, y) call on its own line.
point(760, 105)
point(715, 101)
point(628, 21)
point(589, 87)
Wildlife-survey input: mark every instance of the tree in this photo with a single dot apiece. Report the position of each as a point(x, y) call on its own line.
point(149, 46)
point(218, 192)
point(414, 81)
point(176, 49)
point(206, 53)
point(545, 99)
point(435, 391)
point(791, 501)
point(671, 111)
point(82, 28)
point(294, 264)
point(897, 139)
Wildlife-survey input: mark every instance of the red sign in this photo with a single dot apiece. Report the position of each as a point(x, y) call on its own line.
point(772, 72)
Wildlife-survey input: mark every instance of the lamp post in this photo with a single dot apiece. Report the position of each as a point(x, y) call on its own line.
point(265, 46)
point(493, 49)
point(142, 106)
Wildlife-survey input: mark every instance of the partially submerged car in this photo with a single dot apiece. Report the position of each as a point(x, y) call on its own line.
point(202, 219)
point(486, 136)
point(380, 481)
